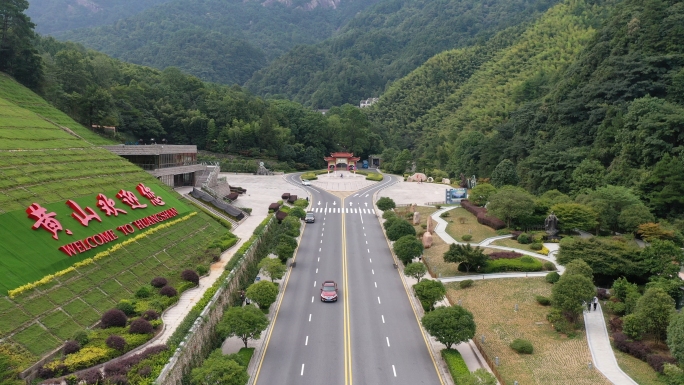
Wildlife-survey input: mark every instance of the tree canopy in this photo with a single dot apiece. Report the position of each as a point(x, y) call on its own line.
point(449, 325)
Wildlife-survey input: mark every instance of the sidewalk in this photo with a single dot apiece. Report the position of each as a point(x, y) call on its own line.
point(601, 352)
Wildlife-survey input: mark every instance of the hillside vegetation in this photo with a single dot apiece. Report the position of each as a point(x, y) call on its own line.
point(218, 41)
point(42, 161)
point(384, 43)
point(594, 84)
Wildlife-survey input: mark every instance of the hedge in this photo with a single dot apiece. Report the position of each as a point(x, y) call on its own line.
point(500, 265)
point(456, 364)
point(481, 214)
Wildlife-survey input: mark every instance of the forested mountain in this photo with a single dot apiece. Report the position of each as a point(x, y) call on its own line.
point(570, 106)
point(54, 16)
point(222, 41)
point(383, 44)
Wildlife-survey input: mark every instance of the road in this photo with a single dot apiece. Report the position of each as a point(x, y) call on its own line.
point(371, 335)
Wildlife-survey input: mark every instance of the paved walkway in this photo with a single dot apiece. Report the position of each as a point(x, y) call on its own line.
point(601, 352)
point(594, 323)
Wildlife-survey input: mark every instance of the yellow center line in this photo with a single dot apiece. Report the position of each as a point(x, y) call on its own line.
point(347, 332)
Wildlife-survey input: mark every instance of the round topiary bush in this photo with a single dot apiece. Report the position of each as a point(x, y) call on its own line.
point(126, 306)
point(526, 259)
point(150, 315)
point(71, 347)
point(467, 237)
point(552, 277)
point(140, 326)
point(544, 301)
point(112, 318)
point(549, 266)
point(190, 276)
point(116, 342)
point(536, 246)
point(524, 239)
point(389, 214)
point(168, 291)
point(466, 284)
point(522, 346)
point(159, 282)
point(386, 203)
point(143, 292)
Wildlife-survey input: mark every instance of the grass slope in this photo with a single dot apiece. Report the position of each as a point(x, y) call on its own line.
point(41, 161)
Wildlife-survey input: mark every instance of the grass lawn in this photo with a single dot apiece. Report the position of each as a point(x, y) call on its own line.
point(556, 359)
point(469, 226)
point(434, 259)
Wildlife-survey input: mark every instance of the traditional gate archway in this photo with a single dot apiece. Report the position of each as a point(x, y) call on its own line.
point(341, 160)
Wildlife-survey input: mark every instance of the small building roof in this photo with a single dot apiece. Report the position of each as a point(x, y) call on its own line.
point(152, 149)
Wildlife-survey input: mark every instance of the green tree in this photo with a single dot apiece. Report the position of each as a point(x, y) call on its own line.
point(504, 174)
point(264, 293)
point(272, 267)
point(588, 175)
point(469, 257)
point(654, 310)
point(574, 216)
point(661, 258)
point(401, 163)
point(480, 194)
point(416, 270)
point(633, 216)
point(407, 247)
point(18, 57)
point(429, 292)
point(608, 202)
point(608, 258)
point(510, 203)
point(671, 285)
point(662, 188)
point(578, 266)
point(675, 337)
point(297, 212)
point(244, 322)
point(284, 251)
point(219, 369)
point(449, 325)
point(569, 293)
point(400, 228)
point(386, 203)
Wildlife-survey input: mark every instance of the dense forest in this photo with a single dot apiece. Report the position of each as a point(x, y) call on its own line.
point(54, 16)
point(383, 44)
point(590, 95)
point(221, 41)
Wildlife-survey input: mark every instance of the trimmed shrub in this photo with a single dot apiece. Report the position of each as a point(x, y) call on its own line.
point(201, 270)
point(298, 212)
point(615, 324)
point(467, 237)
point(116, 342)
point(117, 379)
point(81, 337)
point(399, 229)
point(522, 346)
point(389, 214)
point(466, 284)
point(520, 264)
point(481, 214)
point(159, 282)
point(390, 221)
point(536, 246)
point(617, 308)
point(385, 203)
point(544, 301)
point(455, 363)
point(116, 367)
point(150, 315)
point(140, 326)
point(657, 361)
point(552, 277)
point(515, 235)
point(526, 259)
point(504, 255)
point(143, 292)
point(301, 203)
point(126, 306)
point(168, 291)
point(524, 239)
point(71, 347)
point(190, 276)
point(112, 318)
point(549, 266)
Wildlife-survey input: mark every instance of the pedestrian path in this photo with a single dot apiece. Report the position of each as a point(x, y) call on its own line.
point(341, 210)
point(595, 325)
point(601, 352)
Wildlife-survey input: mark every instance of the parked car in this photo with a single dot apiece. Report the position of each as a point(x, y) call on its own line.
point(329, 291)
point(309, 218)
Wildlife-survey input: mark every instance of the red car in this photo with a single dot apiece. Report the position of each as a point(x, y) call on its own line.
point(329, 291)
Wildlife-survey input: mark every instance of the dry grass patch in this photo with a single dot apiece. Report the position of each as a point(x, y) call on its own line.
point(434, 259)
point(461, 222)
point(557, 360)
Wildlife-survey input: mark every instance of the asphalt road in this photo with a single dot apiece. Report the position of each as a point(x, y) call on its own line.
point(370, 335)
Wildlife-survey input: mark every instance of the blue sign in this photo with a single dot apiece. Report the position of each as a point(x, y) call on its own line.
point(454, 195)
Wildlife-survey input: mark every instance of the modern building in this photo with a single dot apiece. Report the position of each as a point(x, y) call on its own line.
point(367, 102)
point(174, 165)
